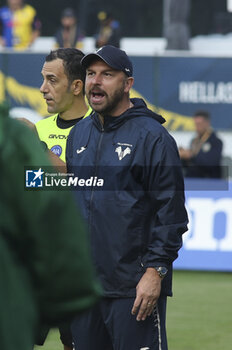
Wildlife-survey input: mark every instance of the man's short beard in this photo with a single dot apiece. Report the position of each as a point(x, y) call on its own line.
point(115, 100)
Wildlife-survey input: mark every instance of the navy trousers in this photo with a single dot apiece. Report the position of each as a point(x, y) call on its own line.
point(110, 326)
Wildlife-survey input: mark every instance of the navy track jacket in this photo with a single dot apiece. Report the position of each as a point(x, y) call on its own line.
point(136, 220)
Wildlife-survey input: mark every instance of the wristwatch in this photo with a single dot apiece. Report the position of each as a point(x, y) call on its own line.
point(162, 271)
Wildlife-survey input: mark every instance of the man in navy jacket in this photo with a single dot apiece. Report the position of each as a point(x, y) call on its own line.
point(130, 190)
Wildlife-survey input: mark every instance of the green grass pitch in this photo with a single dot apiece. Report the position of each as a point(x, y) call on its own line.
point(199, 316)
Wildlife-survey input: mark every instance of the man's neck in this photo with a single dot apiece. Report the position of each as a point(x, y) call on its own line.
point(78, 110)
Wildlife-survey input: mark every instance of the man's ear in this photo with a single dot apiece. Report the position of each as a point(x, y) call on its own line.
point(128, 84)
point(77, 86)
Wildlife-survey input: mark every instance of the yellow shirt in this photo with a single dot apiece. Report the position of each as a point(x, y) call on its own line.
point(54, 136)
point(22, 26)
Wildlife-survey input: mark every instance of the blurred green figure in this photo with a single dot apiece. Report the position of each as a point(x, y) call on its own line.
point(46, 275)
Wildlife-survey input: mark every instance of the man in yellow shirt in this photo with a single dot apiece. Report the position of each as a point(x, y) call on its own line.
point(63, 90)
point(19, 25)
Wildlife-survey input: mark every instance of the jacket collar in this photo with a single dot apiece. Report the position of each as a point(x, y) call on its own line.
point(139, 109)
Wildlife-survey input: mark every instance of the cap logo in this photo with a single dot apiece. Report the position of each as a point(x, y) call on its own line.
point(99, 50)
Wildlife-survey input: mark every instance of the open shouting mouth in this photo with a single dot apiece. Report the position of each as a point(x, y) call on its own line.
point(96, 96)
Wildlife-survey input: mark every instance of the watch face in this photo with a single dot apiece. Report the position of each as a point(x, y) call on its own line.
point(162, 271)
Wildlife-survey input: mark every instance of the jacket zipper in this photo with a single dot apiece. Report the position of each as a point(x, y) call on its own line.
point(95, 172)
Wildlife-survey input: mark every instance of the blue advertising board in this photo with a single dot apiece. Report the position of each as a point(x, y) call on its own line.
point(188, 84)
point(20, 79)
point(208, 243)
point(179, 86)
point(175, 87)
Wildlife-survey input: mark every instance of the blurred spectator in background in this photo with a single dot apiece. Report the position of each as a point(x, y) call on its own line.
point(176, 28)
point(203, 159)
point(69, 34)
point(109, 31)
point(19, 25)
point(46, 274)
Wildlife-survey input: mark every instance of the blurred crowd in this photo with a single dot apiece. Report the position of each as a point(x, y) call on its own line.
point(20, 27)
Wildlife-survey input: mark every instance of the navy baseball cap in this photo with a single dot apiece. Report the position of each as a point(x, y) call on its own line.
point(111, 55)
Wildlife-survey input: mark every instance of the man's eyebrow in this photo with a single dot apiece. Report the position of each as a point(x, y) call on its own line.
point(48, 75)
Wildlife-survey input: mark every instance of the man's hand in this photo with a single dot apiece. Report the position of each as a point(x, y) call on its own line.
point(147, 293)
